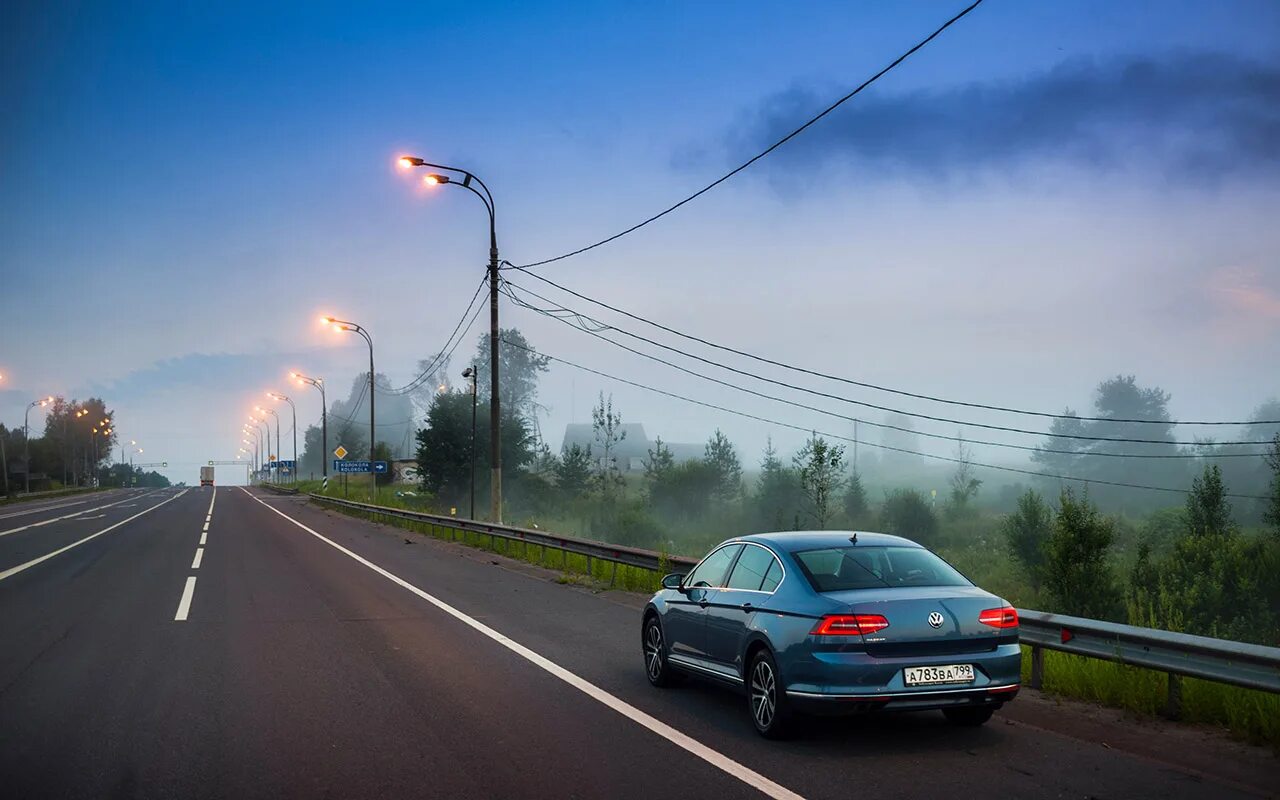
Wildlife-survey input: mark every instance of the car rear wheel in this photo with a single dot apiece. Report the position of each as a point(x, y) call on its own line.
point(766, 697)
point(656, 668)
point(969, 716)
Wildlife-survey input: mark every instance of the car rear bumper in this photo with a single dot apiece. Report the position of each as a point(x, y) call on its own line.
point(828, 703)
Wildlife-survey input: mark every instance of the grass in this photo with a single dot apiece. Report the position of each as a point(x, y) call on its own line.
point(4, 501)
point(1247, 714)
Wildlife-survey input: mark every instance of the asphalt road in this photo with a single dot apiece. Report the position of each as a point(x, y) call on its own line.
point(306, 654)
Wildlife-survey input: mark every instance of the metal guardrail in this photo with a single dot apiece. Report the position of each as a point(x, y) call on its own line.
point(278, 489)
point(1177, 654)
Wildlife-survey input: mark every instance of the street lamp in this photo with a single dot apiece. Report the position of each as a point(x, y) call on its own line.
point(324, 419)
point(265, 461)
point(470, 372)
point(264, 412)
point(351, 327)
point(26, 439)
point(294, 409)
point(486, 197)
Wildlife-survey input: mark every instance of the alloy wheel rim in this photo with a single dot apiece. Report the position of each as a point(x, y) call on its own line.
point(653, 652)
point(763, 699)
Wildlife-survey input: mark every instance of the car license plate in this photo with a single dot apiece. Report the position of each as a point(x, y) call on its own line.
point(950, 673)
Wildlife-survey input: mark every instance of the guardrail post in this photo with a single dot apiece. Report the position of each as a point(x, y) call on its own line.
point(1037, 666)
point(1173, 703)
point(613, 577)
point(590, 571)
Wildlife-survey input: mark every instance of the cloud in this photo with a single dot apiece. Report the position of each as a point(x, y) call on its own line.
point(1189, 115)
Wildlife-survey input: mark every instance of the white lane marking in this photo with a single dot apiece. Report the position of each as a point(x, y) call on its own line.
point(75, 514)
point(717, 759)
point(184, 605)
point(204, 535)
point(213, 495)
point(43, 508)
point(15, 570)
point(195, 562)
point(206, 525)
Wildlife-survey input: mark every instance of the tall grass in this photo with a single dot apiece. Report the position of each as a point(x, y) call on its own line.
point(1250, 715)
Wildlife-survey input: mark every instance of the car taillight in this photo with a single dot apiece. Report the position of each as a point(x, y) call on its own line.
point(849, 625)
point(1006, 617)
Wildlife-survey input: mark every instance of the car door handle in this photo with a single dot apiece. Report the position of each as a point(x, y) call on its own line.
point(747, 607)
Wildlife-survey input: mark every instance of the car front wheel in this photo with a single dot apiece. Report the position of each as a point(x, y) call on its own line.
point(656, 668)
point(767, 698)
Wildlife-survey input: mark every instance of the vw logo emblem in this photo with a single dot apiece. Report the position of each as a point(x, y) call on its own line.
point(935, 619)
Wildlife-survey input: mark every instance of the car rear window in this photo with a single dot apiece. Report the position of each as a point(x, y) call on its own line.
point(835, 569)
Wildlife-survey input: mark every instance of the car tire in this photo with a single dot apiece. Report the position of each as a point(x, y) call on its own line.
point(767, 698)
point(968, 716)
point(654, 645)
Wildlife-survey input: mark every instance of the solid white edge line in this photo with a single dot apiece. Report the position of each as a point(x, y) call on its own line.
point(76, 514)
point(15, 570)
point(184, 605)
point(51, 507)
point(204, 535)
point(713, 757)
point(195, 562)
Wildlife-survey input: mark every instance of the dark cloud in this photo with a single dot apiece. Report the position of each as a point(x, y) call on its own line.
point(1189, 115)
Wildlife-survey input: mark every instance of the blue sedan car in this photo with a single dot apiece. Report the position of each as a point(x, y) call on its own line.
point(835, 622)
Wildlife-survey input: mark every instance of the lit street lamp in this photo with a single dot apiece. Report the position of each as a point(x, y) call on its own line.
point(351, 327)
point(294, 409)
point(26, 438)
point(324, 419)
point(486, 197)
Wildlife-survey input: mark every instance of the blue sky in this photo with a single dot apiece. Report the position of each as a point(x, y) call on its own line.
point(1046, 195)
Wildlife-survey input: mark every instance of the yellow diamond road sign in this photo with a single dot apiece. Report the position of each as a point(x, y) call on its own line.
point(341, 452)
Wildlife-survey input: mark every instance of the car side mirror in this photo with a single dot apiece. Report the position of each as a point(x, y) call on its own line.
point(674, 581)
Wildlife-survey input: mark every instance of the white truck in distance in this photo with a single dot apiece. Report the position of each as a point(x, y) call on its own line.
point(206, 476)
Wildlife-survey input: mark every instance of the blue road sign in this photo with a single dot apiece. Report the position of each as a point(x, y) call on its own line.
point(380, 467)
point(287, 466)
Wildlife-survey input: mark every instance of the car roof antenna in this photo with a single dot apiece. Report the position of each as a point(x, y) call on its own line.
point(854, 538)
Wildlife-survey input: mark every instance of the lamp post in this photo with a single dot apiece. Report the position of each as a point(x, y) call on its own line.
point(264, 412)
point(351, 327)
point(26, 438)
point(265, 441)
point(495, 419)
point(324, 419)
point(470, 372)
point(294, 410)
point(256, 447)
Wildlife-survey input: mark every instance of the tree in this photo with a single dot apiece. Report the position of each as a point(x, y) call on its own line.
point(723, 461)
point(519, 365)
point(1026, 530)
point(1076, 573)
point(964, 486)
point(906, 513)
point(444, 449)
point(1271, 515)
point(856, 507)
point(606, 425)
point(573, 471)
point(1208, 511)
point(820, 465)
point(778, 493)
point(657, 467)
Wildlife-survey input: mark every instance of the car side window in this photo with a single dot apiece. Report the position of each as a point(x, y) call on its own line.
point(710, 573)
point(750, 570)
point(772, 577)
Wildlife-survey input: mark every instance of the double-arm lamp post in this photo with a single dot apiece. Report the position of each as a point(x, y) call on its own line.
point(465, 179)
point(294, 410)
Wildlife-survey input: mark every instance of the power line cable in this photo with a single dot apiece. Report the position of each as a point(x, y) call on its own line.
point(876, 387)
point(599, 326)
point(804, 429)
point(426, 373)
point(767, 150)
